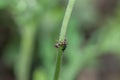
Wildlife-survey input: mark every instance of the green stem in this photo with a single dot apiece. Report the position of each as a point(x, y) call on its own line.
point(66, 20)
point(63, 36)
point(58, 65)
point(26, 50)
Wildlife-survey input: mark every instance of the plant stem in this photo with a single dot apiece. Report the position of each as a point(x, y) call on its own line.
point(63, 36)
point(26, 53)
point(58, 65)
point(66, 20)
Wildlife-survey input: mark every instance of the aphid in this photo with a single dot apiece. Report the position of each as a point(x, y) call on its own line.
point(64, 47)
point(57, 45)
point(61, 44)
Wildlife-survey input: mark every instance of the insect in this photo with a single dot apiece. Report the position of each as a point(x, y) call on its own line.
point(61, 44)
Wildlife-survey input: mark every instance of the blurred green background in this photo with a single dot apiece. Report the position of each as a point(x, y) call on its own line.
point(30, 28)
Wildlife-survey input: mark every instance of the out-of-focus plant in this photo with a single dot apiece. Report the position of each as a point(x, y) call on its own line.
point(27, 14)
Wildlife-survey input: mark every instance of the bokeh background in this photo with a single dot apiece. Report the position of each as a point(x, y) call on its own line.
point(30, 28)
